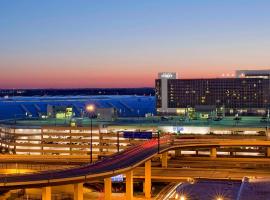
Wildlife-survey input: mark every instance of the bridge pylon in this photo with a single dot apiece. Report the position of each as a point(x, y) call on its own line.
point(147, 181)
point(108, 188)
point(267, 151)
point(46, 193)
point(164, 160)
point(78, 191)
point(129, 185)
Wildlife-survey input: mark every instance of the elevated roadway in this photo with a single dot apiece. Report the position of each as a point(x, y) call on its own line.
point(123, 162)
point(117, 163)
point(182, 174)
point(219, 162)
point(178, 163)
point(46, 159)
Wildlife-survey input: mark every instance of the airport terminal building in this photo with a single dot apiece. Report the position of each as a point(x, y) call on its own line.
point(247, 93)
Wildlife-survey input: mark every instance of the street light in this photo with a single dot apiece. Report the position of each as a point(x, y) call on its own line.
point(91, 109)
point(182, 197)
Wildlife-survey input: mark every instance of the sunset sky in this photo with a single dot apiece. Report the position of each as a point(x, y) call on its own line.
point(122, 43)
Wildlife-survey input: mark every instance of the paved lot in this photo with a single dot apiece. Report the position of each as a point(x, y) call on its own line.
point(253, 189)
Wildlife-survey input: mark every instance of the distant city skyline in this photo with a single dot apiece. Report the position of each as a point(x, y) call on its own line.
point(99, 43)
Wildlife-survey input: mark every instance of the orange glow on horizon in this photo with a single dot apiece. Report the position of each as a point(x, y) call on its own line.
point(113, 77)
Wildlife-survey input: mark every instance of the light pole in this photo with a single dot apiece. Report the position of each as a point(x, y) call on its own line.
point(158, 140)
point(91, 109)
point(267, 120)
point(118, 141)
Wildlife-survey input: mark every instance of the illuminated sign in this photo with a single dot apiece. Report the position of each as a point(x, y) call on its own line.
point(167, 75)
point(118, 178)
point(185, 129)
point(178, 129)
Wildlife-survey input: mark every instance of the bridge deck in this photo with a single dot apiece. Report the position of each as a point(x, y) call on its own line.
point(117, 163)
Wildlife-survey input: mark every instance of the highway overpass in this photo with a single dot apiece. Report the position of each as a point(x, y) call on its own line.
point(123, 162)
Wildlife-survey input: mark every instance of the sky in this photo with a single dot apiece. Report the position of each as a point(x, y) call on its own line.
point(123, 43)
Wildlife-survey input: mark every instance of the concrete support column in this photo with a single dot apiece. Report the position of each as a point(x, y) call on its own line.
point(46, 193)
point(108, 188)
point(147, 181)
point(78, 191)
point(213, 152)
point(129, 185)
point(164, 160)
point(267, 151)
point(178, 153)
point(267, 132)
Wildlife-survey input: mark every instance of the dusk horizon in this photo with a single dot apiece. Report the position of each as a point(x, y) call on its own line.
point(111, 85)
point(135, 100)
point(107, 45)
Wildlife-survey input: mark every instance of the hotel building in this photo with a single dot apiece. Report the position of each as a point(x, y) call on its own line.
point(246, 93)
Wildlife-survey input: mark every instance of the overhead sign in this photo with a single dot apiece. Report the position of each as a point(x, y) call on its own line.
point(118, 178)
point(137, 134)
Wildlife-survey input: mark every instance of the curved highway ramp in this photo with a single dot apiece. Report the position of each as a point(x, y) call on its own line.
point(116, 164)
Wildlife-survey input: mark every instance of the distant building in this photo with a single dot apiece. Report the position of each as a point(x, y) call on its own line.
point(265, 74)
point(59, 112)
point(247, 94)
point(107, 114)
point(47, 106)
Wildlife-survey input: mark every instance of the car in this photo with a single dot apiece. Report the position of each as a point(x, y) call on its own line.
point(237, 118)
point(263, 119)
point(164, 118)
point(217, 118)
